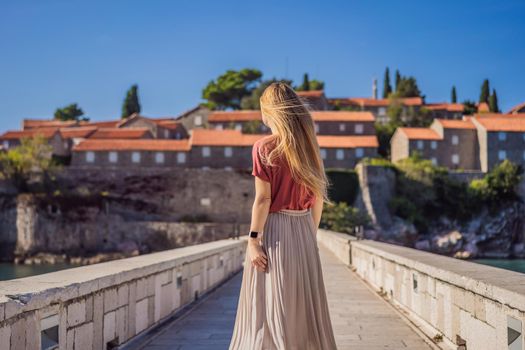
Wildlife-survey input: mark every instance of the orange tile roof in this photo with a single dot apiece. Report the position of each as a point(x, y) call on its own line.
point(499, 115)
point(420, 133)
point(449, 107)
point(241, 116)
point(326, 141)
point(169, 124)
point(456, 124)
point(312, 93)
point(102, 124)
point(132, 145)
point(81, 132)
point(517, 108)
point(342, 116)
point(483, 107)
point(210, 137)
point(502, 123)
point(372, 102)
point(46, 123)
point(115, 133)
point(15, 135)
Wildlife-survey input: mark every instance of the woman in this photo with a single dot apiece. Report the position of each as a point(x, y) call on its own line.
point(282, 303)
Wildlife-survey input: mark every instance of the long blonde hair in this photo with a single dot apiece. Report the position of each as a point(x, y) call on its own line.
point(295, 137)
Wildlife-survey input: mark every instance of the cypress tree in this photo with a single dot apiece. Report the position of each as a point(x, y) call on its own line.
point(387, 88)
point(398, 79)
point(131, 102)
point(493, 102)
point(485, 92)
point(306, 82)
point(453, 95)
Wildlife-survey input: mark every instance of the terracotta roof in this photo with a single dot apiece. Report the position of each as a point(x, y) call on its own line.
point(420, 133)
point(102, 124)
point(115, 133)
point(81, 132)
point(483, 107)
point(372, 102)
point(499, 115)
point(46, 123)
point(510, 123)
point(312, 93)
point(170, 124)
point(210, 137)
point(15, 135)
point(234, 116)
point(449, 107)
point(240, 116)
point(326, 141)
point(343, 116)
point(456, 124)
point(517, 109)
point(132, 145)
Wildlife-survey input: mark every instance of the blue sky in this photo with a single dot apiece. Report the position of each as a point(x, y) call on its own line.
point(53, 53)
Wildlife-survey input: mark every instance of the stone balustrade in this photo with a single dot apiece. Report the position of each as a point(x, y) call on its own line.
point(106, 305)
point(463, 305)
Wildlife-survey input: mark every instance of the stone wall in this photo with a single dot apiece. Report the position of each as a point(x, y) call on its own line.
point(106, 305)
point(469, 305)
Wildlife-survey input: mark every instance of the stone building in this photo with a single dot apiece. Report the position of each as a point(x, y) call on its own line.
point(445, 110)
point(378, 107)
point(517, 109)
point(60, 147)
point(315, 100)
point(326, 122)
point(194, 118)
point(160, 128)
point(473, 143)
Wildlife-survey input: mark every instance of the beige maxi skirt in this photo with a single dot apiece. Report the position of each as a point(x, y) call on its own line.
point(284, 307)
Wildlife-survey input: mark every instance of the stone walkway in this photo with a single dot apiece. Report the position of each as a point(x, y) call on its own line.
point(361, 319)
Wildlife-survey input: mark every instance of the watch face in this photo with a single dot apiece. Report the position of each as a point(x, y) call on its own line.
point(253, 234)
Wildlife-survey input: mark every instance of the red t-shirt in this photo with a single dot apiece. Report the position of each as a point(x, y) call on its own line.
point(286, 193)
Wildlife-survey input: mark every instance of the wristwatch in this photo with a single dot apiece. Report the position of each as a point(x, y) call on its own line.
point(253, 234)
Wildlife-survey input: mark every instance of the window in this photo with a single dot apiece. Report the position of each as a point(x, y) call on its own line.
point(434, 161)
point(342, 127)
point(340, 154)
point(166, 134)
point(228, 168)
point(323, 153)
point(359, 128)
point(455, 139)
point(198, 120)
point(135, 157)
point(381, 111)
point(218, 127)
point(238, 127)
point(90, 157)
point(178, 136)
point(5, 144)
point(66, 144)
point(181, 157)
point(228, 152)
point(502, 136)
point(502, 155)
point(316, 126)
point(113, 157)
point(159, 157)
point(455, 159)
point(206, 151)
point(420, 144)
point(359, 152)
point(205, 167)
point(433, 144)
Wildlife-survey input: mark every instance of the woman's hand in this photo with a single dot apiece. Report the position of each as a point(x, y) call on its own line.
point(257, 256)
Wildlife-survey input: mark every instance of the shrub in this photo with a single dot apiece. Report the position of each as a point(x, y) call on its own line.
point(341, 217)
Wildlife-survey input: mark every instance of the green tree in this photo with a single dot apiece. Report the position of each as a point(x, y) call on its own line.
point(253, 100)
point(500, 185)
point(493, 102)
point(131, 102)
point(469, 107)
point(33, 155)
point(310, 85)
point(407, 87)
point(453, 95)
point(341, 217)
point(306, 83)
point(70, 112)
point(398, 78)
point(387, 88)
point(485, 91)
point(228, 89)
